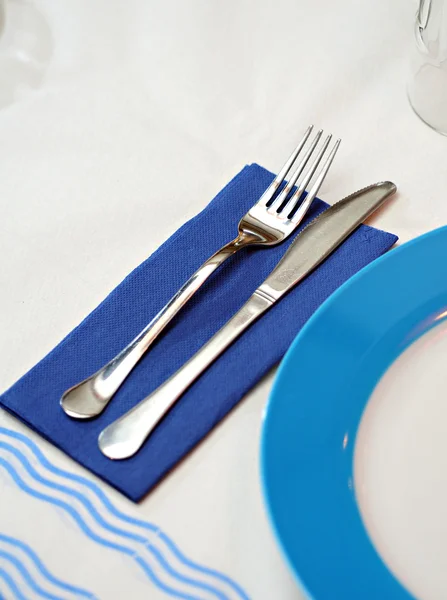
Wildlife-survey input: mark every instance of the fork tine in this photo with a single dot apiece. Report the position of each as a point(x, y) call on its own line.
point(270, 191)
point(281, 199)
point(297, 214)
point(292, 202)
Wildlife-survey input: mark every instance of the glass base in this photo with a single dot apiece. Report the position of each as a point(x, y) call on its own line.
point(427, 94)
point(25, 49)
point(441, 131)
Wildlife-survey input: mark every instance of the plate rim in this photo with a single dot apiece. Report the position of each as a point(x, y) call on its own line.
point(283, 369)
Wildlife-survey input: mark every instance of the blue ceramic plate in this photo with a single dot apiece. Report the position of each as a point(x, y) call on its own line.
point(314, 411)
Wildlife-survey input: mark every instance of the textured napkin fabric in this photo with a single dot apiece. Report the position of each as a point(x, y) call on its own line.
point(130, 306)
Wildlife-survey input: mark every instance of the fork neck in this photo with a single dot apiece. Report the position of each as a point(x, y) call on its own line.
point(242, 240)
point(246, 238)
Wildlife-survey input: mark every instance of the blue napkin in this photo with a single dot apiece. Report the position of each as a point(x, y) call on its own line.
point(35, 397)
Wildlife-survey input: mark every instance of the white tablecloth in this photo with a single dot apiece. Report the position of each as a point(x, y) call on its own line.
point(125, 123)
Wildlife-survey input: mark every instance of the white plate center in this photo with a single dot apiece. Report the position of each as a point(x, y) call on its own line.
point(400, 466)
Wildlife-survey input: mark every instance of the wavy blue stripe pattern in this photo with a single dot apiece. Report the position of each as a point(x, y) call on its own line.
point(26, 575)
point(12, 585)
point(91, 534)
point(99, 519)
point(122, 516)
point(111, 509)
point(15, 543)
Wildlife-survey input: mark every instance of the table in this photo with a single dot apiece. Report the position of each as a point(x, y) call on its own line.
point(136, 116)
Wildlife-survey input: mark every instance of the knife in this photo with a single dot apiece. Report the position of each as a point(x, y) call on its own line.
point(125, 436)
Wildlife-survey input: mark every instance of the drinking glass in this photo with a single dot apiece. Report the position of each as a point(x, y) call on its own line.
point(427, 88)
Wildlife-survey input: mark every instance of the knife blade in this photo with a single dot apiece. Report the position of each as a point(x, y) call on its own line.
point(125, 436)
point(320, 237)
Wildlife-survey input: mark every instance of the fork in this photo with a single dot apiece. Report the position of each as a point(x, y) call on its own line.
point(274, 217)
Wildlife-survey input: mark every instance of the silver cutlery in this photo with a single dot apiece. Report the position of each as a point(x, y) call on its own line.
point(271, 220)
point(126, 435)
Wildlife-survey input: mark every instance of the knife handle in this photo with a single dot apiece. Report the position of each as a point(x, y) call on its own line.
point(125, 436)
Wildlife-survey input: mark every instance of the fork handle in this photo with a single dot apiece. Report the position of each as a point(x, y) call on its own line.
point(90, 397)
point(125, 436)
